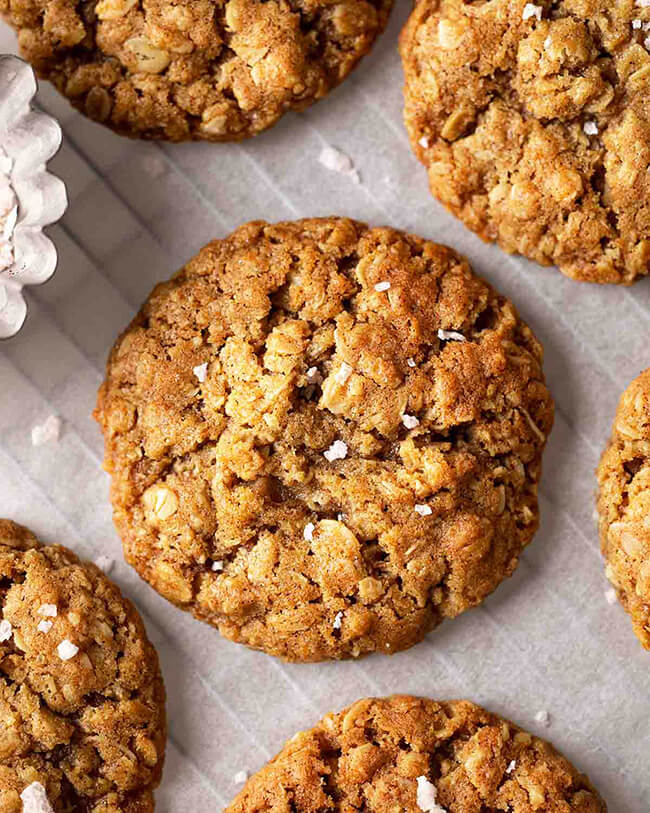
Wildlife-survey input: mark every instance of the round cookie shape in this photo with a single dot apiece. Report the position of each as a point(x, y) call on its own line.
point(534, 125)
point(325, 438)
point(412, 755)
point(82, 700)
point(624, 505)
point(194, 69)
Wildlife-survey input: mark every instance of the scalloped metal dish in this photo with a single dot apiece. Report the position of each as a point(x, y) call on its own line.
point(30, 139)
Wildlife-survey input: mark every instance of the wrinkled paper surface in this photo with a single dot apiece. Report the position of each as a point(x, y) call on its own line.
point(547, 640)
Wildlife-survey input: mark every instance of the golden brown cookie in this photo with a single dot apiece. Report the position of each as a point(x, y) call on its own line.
point(194, 69)
point(325, 438)
point(82, 717)
point(624, 505)
point(534, 124)
point(409, 755)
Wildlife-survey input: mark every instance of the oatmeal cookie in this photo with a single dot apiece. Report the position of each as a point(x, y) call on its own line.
point(624, 505)
point(82, 718)
point(410, 755)
point(325, 438)
point(218, 70)
point(534, 124)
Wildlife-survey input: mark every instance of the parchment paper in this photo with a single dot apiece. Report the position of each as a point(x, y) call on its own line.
point(545, 640)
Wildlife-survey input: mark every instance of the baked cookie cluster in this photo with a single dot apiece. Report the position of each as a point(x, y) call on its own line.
point(194, 69)
point(534, 124)
point(624, 505)
point(324, 439)
point(412, 755)
point(82, 719)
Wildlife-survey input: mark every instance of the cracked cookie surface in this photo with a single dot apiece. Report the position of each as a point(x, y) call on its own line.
point(324, 439)
point(409, 754)
point(81, 696)
point(534, 124)
point(624, 505)
point(217, 70)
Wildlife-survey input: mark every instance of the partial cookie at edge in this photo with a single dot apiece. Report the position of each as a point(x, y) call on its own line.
point(534, 125)
point(624, 504)
point(81, 695)
point(410, 754)
point(194, 69)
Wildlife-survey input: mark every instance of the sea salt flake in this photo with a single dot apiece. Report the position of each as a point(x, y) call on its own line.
point(610, 596)
point(382, 286)
point(5, 630)
point(105, 563)
point(240, 777)
point(66, 650)
point(337, 621)
point(531, 10)
point(511, 767)
point(337, 451)
point(313, 375)
point(423, 510)
point(201, 371)
point(636, 24)
point(547, 42)
point(543, 717)
point(643, 3)
point(590, 128)
point(450, 336)
point(217, 566)
point(337, 161)
point(426, 796)
point(308, 533)
point(48, 610)
point(47, 432)
point(646, 42)
point(34, 799)
point(410, 421)
point(424, 142)
point(44, 626)
point(345, 371)
point(410, 362)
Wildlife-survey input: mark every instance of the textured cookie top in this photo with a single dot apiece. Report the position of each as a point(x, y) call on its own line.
point(325, 438)
point(534, 124)
point(624, 504)
point(81, 697)
point(194, 69)
point(410, 755)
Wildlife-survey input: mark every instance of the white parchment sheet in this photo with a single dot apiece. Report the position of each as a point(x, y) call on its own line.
point(547, 640)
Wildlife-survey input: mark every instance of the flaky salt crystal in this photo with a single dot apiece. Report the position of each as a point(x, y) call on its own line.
point(337, 451)
point(450, 336)
point(201, 371)
point(67, 650)
point(426, 796)
point(337, 161)
point(34, 799)
point(531, 10)
point(47, 432)
point(410, 421)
